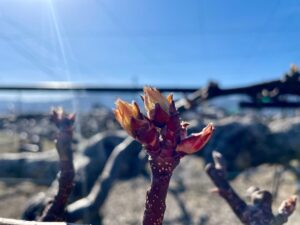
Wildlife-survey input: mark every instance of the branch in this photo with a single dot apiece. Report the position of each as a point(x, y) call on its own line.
point(165, 139)
point(56, 210)
point(259, 212)
point(91, 204)
point(90, 160)
point(156, 196)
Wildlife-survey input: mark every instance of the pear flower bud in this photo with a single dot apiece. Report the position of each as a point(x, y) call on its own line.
point(161, 130)
point(195, 142)
point(157, 105)
point(135, 123)
point(124, 112)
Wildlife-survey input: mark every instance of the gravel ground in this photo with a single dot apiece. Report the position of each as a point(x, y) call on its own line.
point(189, 201)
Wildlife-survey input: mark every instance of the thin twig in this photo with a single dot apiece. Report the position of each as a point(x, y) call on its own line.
point(259, 212)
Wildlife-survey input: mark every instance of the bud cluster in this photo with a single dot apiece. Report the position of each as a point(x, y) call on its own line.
point(161, 130)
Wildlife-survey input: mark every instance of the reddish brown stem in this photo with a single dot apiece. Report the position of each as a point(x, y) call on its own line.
point(155, 201)
point(56, 210)
point(155, 206)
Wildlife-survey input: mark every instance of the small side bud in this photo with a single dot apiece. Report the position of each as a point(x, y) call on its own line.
point(195, 142)
point(62, 120)
point(288, 206)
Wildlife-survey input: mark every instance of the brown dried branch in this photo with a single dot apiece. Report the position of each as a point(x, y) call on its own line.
point(56, 210)
point(272, 90)
point(259, 212)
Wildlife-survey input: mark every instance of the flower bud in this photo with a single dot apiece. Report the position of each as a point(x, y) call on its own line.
point(124, 112)
point(195, 142)
point(157, 106)
point(135, 123)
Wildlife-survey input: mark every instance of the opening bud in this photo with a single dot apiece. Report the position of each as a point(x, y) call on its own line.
point(157, 106)
point(197, 141)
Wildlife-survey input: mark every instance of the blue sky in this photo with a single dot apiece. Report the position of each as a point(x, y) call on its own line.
point(154, 42)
